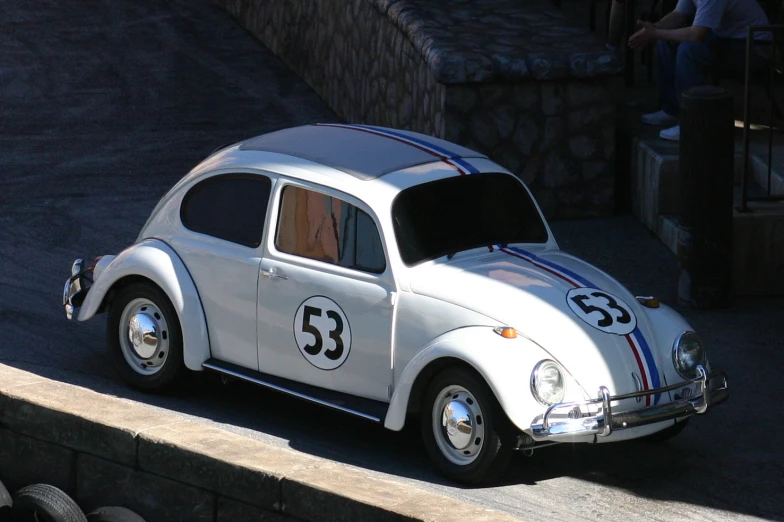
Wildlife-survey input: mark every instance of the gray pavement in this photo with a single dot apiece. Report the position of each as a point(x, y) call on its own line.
point(105, 104)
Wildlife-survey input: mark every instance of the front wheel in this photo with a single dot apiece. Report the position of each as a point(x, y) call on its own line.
point(144, 338)
point(463, 427)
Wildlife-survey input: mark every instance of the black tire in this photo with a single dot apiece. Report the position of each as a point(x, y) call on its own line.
point(45, 503)
point(665, 434)
point(495, 448)
point(5, 504)
point(172, 369)
point(113, 514)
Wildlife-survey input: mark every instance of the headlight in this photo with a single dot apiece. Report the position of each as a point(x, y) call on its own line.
point(547, 383)
point(687, 353)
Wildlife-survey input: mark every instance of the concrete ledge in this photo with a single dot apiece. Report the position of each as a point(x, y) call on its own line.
point(102, 450)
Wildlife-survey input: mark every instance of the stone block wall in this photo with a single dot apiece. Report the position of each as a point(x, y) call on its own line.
point(557, 135)
point(516, 81)
point(363, 66)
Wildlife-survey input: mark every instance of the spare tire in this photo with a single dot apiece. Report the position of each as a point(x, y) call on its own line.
point(5, 504)
point(113, 514)
point(45, 503)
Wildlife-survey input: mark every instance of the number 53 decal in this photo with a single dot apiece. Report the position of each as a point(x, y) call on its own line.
point(601, 310)
point(322, 332)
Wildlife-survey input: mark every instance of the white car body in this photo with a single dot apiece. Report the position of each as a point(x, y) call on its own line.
point(241, 305)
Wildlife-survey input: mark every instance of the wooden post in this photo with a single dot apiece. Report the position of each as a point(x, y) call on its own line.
point(707, 164)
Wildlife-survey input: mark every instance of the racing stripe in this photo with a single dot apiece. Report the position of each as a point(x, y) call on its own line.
point(567, 275)
point(643, 374)
point(452, 159)
point(639, 339)
point(642, 352)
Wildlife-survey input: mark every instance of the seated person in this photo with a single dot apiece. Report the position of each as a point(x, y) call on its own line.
point(688, 54)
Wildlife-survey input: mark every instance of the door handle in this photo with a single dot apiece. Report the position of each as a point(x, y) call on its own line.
point(271, 274)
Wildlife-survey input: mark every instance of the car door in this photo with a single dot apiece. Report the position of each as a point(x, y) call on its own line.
point(326, 294)
point(220, 242)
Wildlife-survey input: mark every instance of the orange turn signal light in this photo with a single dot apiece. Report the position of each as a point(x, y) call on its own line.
point(649, 301)
point(506, 332)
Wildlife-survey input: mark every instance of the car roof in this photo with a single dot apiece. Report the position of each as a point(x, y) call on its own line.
point(363, 151)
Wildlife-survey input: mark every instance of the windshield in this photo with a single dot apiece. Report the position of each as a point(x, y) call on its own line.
point(449, 215)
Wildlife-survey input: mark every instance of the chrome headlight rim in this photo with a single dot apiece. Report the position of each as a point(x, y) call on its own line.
point(534, 391)
point(676, 360)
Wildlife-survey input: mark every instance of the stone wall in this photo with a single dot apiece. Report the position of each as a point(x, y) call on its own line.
point(558, 136)
point(516, 81)
point(347, 51)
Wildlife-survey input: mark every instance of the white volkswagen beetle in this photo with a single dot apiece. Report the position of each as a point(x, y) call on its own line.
point(383, 272)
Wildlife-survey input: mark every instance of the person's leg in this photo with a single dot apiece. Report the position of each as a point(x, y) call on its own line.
point(668, 100)
point(615, 26)
point(667, 63)
point(694, 62)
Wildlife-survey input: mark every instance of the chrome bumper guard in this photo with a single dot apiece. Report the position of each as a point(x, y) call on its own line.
point(574, 422)
point(76, 288)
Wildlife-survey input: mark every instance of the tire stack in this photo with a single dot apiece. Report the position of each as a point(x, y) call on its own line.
point(45, 503)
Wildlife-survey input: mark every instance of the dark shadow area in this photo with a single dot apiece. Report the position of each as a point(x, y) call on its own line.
point(107, 104)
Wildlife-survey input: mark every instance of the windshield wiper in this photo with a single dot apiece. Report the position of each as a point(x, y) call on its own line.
point(463, 245)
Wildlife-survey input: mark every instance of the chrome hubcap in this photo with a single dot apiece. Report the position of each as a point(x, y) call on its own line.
point(144, 336)
point(458, 425)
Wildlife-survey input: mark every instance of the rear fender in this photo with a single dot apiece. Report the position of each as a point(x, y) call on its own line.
point(155, 260)
point(505, 364)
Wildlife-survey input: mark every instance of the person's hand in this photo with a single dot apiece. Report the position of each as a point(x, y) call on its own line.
point(644, 37)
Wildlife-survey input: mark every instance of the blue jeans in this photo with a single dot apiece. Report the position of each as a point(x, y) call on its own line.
point(685, 65)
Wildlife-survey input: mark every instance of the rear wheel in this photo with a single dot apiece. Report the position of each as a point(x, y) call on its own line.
point(144, 338)
point(464, 428)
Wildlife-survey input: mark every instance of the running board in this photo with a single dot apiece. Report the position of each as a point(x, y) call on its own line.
point(365, 408)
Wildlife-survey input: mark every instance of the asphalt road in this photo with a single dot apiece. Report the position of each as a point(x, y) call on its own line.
point(105, 104)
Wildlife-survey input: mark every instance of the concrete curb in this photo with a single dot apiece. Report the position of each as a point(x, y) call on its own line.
point(103, 450)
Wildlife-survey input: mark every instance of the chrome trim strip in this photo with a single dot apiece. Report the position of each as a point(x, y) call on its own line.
point(290, 392)
point(605, 421)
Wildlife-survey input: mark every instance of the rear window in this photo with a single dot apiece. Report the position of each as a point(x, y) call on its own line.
point(450, 215)
point(232, 207)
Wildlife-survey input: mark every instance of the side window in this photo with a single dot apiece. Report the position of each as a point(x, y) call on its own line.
point(328, 229)
point(232, 207)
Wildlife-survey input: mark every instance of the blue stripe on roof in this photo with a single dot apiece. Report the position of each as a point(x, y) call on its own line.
point(465, 165)
point(442, 151)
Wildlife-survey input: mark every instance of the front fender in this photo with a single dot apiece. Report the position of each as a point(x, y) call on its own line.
point(667, 325)
point(155, 260)
point(505, 364)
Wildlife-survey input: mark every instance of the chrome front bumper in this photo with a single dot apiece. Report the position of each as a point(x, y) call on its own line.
point(564, 421)
point(76, 288)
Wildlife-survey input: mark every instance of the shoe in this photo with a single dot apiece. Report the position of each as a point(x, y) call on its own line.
point(659, 118)
point(671, 134)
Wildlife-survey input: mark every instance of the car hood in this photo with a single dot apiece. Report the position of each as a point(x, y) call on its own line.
point(539, 293)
